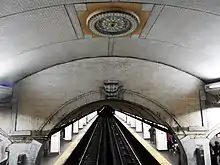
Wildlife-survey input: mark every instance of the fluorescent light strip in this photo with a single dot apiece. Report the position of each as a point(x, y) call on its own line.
point(212, 86)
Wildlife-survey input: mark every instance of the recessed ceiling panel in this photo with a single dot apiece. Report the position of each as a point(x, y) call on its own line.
point(203, 5)
point(187, 28)
point(98, 12)
point(72, 12)
point(194, 62)
point(8, 7)
point(152, 19)
point(30, 30)
point(30, 62)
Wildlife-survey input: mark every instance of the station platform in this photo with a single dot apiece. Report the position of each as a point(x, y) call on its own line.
point(163, 157)
point(66, 147)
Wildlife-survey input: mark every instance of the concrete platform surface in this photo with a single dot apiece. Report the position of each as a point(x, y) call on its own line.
point(156, 154)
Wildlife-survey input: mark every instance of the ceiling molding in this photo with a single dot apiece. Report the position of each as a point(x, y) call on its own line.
point(107, 1)
point(72, 16)
point(106, 56)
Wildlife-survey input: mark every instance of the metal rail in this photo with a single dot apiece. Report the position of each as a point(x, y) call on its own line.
point(99, 147)
point(87, 146)
point(114, 157)
point(108, 145)
point(129, 145)
point(125, 150)
point(117, 146)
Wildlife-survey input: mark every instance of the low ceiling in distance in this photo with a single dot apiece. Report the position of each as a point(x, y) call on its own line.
point(119, 105)
point(37, 34)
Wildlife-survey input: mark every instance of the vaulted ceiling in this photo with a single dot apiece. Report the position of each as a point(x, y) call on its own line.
point(37, 34)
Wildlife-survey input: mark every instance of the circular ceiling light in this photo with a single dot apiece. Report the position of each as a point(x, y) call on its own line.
point(113, 22)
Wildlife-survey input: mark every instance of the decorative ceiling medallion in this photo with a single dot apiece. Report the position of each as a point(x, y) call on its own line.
point(112, 22)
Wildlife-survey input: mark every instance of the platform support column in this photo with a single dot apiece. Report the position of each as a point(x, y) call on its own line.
point(133, 123)
point(161, 140)
point(87, 120)
point(84, 120)
point(55, 143)
point(68, 132)
point(89, 117)
point(128, 120)
point(138, 124)
point(81, 123)
point(146, 128)
point(123, 117)
point(76, 127)
point(190, 145)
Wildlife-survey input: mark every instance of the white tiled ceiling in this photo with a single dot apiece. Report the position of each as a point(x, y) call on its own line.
point(81, 7)
point(195, 30)
point(8, 7)
point(30, 62)
point(150, 79)
point(42, 29)
point(194, 62)
point(152, 19)
point(30, 30)
point(74, 19)
point(204, 5)
point(147, 7)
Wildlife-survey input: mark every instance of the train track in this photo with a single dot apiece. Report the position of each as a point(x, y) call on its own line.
point(108, 142)
point(126, 154)
point(91, 154)
point(108, 146)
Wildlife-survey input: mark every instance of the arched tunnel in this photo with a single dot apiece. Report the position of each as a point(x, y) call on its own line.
point(152, 62)
point(129, 108)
